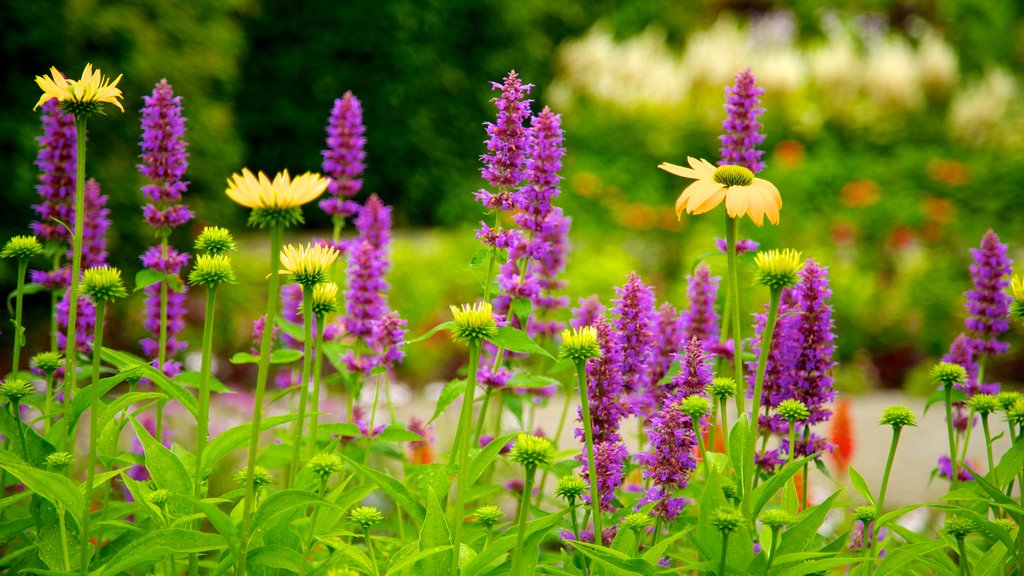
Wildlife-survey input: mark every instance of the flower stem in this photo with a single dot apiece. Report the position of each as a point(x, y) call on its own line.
point(19, 330)
point(307, 360)
point(952, 442)
point(203, 410)
point(725, 549)
point(588, 434)
point(723, 423)
point(792, 440)
point(988, 448)
point(881, 496)
point(558, 436)
point(731, 230)
point(524, 512)
point(276, 232)
point(774, 551)
point(465, 422)
point(94, 424)
point(318, 367)
point(162, 344)
point(61, 513)
point(965, 567)
point(762, 363)
point(71, 346)
point(483, 414)
point(48, 406)
point(373, 557)
point(373, 420)
point(703, 451)
point(16, 416)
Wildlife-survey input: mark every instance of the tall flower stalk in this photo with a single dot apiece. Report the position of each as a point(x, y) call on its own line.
point(530, 452)
point(22, 249)
point(581, 345)
point(344, 161)
point(950, 376)
point(898, 417)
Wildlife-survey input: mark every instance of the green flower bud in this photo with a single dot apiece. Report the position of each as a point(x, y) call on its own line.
point(866, 514)
point(777, 269)
point(898, 417)
point(730, 490)
point(733, 175)
point(159, 497)
point(722, 388)
point(325, 299)
point(325, 465)
point(15, 389)
point(957, 527)
point(212, 270)
point(22, 248)
point(103, 284)
point(949, 374)
point(776, 518)
point(48, 362)
point(694, 406)
point(215, 240)
point(1015, 415)
point(726, 519)
point(1007, 524)
point(983, 403)
point(532, 451)
point(474, 323)
point(260, 476)
point(793, 410)
point(1008, 399)
point(488, 515)
point(570, 487)
point(366, 516)
point(580, 344)
point(636, 521)
point(59, 460)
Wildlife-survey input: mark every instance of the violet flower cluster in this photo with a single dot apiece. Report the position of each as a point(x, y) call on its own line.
point(668, 329)
point(589, 311)
point(701, 319)
point(742, 127)
point(344, 157)
point(164, 162)
point(634, 320)
point(743, 245)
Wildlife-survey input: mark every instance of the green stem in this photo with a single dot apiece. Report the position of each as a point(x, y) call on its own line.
point(572, 517)
point(71, 346)
point(373, 557)
point(494, 258)
point(524, 512)
point(703, 452)
point(731, 230)
point(162, 343)
point(465, 422)
point(724, 424)
point(373, 420)
point(725, 549)
point(967, 437)
point(307, 363)
point(988, 448)
point(483, 414)
point(19, 331)
point(48, 406)
point(203, 410)
point(16, 415)
point(94, 424)
point(558, 436)
point(774, 550)
point(965, 567)
point(588, 435)
point(881, 496)
point(316, 512)
point(54, 302)
point(762, 362)
point(318, 368)
point(952, 442)
point(792, 440)
point(276, 232)
point(64, 537)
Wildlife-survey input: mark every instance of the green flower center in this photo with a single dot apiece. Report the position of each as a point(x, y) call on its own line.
point(730, 175)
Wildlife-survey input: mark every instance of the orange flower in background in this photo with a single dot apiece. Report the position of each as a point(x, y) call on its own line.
point(841, 435)
point(939, 209)
point(949, 172)
point(859, 193)
point(790, 153)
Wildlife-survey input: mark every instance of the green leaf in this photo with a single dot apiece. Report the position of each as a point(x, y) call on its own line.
point(1010, 464)
point(56, 488)
point(83, 397)
point(739, 437)
point(957, 395)
point(496, 551)
point(861, 485)
point(147, 277)
point(38, 447)
point(527, 380)
point(277, 557)
point(449, 393)
point(487, 455)
point(279, 504)
point(413, 553)
point(479, 257)
point(521, 308)
point(896, 561)
point(165, 467)
point(218, 519)
point(393, 488)
point(763, 493)
point(399, 434)
point(51, 548)
point(618, 562)
point(434, 533)
point(800, 534)
point(192, 379)
point(442, 326)
point(515, 340)
point(821, 565)
point(125, 362)
point(232, 438)
point(292, 329)
point(281, 356)
point(154, 546)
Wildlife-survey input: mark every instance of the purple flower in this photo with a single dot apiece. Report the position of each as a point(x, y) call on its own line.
point(857, 538)
point(57, 164)
point(694, 375)
point(258, 325)
point(589, 311)
point(164, 159)
point(670, 461)
point(387, 340)
point(701, 320)
point(742, 127)
point(344, 158)
point(634, 320)
point(945, 466)
point(668, 340)
point(988, 304)
point(587, 535)
point(368, 264)
point(743, 245)
point(173, 263)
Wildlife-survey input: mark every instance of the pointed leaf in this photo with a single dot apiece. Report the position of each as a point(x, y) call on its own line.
point(233, 438)
point(487, 455)
point(165, 467)
point(861, 485)
point(125, 362)
point(515, 340)
point(393, 488)
point(56, 488)
point(155, 546)
point(449, 393)
point(434, 533)
point(442, 326)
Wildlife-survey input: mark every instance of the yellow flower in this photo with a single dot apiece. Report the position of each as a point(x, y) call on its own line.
point(743, 193)
point(474, 322)
point(1017, 287)
point(308, 264)
point(281, 193)
point(92, 89)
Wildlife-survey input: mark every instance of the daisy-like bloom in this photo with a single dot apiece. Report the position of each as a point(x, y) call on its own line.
point(283, 193)
point(744, 195)
point(308, 264)
point(474, 322)
point(79, 96)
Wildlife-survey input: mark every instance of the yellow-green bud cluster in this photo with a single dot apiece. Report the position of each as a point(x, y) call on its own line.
point(283, 217)
point(732, 175)
point(1008, 399)
point(580, 344)
point(570, 487)
point(957, 527)
point(325, 299)
point(48, 362)
point(898, 417)
point(212, 270)
point(159, 497)
point(1007, 524)
point(308, 265)
point(532, 451)
point(793, 410)
point(488, 515)
point(722, 388)
point(1015, 414)
point(474, 322)
point(59, 460)
point(636, 521)
point(726, 519)
point(866, 514)
point(730, 490)
point(694, 406)
point(366, 516)
point(1017, 305)
point(22, 248)
point(325, 465)
point(103, 284)
point(777, 269)
point(776, 518)
point(215, 240)
point(14, 389)
point(260, 476)
point(949, 374)
point(983, 403)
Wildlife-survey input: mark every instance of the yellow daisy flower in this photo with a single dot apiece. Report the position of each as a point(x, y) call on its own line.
point(308, 264)
point(93, 88)
point(281, 193)
point(744, 194)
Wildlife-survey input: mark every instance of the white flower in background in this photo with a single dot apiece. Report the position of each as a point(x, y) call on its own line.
point(837, 68)
point(891, 76)
point(780, 69)
point(937, 63)
point(980, 109)
point(714, 56)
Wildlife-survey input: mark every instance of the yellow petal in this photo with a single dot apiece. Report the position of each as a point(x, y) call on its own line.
point(714, 200)
point(755, 207)
point(679, 170)
point(701, 192)
point(736, 201)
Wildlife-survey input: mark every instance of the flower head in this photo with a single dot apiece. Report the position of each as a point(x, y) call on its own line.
point(325, 299)
point(742, 124)
point(1015, 413)
point(1008, 399)
point(260, 476)
point(159, 497)
point(79, 97)
point(22, 248)
point(580, 344)
point(366, 516)
point(212, 270)
point(48, 361)
point(777, 269)
point(325, 465)
point(775, 518)
point(488, 515)
point(474, 322)
point(103, 283)
point(14, 389)
point(215, 240)
point(865, 514)
point(983, 403)
point(726, 519)
point(722, 388)
point(532, 451)
point(59, 460)
point(308, 264)
point(344, 158)
point(570, 487)
point(277, 200)
point(957, 527)
point(695, 407)
point(744, 194)
point(1017, 306)
point(793, 410)
point(636, 521)
point(898, 417)
point(949, 374)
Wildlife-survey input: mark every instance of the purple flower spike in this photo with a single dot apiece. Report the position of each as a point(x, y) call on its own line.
point(742, 126)
point(387, 340)
point(694, 375)
point(670, 461)
point(589, 311)
point(634, 320)
point(344, 157)
point(988, 304)
point(701, 320)
point(668, 339)
point(368, 264)
point(57, 164)
point(743, 245)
